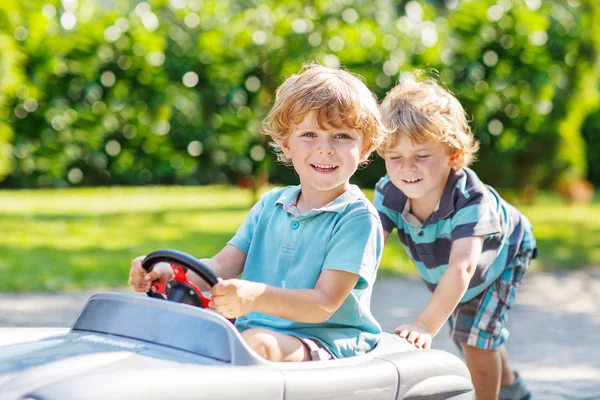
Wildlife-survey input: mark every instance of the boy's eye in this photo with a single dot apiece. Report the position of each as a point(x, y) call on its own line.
point(422, 156)
point(309, 134)
point(342, 136)
point(395, 157)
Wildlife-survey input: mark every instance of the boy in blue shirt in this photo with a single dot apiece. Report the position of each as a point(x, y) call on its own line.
point(470, 246)
point(308, 254)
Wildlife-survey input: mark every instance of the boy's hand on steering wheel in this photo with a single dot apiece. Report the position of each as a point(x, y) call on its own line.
point(140, 280)
point(235, 297)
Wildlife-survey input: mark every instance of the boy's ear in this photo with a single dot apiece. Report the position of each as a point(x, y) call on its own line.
point(455, 159)
point(365, 153)
point(364, 156)
point(285, 147)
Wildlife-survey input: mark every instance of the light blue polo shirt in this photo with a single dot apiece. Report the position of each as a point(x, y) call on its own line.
point(290, 251)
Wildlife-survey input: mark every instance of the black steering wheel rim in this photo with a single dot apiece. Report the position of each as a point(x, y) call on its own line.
point(182, 259)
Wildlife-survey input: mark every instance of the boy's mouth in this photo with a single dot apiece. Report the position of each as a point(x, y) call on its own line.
point(412, 181)
point(324, 167)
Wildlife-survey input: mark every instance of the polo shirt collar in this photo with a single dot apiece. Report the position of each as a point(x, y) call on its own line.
point(449, 197)
point(338, 205)
point(288, 195)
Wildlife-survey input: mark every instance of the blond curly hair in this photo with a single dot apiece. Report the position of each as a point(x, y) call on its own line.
point(423, 110)
point(337, 99)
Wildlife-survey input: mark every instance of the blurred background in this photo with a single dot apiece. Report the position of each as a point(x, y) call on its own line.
point(128, 126)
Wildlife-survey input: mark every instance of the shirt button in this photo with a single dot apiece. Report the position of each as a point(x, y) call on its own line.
point(295, 225)
point(421, 233)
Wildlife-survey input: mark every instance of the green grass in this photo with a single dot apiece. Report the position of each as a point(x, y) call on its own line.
point(82, 238)
point(568, 236)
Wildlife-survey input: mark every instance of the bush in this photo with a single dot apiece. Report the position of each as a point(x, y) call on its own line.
point(175, 91)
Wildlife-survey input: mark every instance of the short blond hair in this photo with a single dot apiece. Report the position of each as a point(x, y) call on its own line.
point(337, 99)
point(423, 110)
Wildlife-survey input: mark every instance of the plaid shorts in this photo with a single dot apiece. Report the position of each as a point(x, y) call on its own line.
point(481, 321)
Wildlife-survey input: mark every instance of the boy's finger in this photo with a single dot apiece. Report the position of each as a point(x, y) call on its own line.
point(220, 288)
point(135, 285)
point(137, 262)
point(427, 344)
point(218, 300)
point(228, 313)
point(412, 336)
point(154, 275)
point(402, 332)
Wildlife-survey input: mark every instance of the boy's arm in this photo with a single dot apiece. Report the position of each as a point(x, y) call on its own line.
point(234, 298)
point(464, 257)
point(227, 264)
point(386, 235)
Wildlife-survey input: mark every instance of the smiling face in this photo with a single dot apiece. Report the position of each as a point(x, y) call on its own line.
point(419, 170)
point(324, 158)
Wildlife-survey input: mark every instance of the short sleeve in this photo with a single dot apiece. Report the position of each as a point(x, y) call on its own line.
point(356, 247)
point(478, 217)
point(244, 234)
point(385, 214)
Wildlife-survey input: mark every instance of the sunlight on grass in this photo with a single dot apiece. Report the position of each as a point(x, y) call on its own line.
point(78, 238)
point(568, 235)
point(101, 201)
point(83, 238)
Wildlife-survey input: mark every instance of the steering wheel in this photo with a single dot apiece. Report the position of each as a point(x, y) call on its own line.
point(179, 289)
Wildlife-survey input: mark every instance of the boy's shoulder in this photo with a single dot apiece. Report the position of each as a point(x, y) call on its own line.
point(383, 184)
point(388, 196)
point(359, 203)
point(465, 184)
point(283, 194)
point(464, 188)
point(352, 202)
point(467, 197)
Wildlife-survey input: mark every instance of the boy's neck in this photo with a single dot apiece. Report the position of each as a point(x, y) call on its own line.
point(314, 199)
point(422, 211)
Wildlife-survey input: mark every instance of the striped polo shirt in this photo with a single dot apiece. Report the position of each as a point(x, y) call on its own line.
point(467, 208)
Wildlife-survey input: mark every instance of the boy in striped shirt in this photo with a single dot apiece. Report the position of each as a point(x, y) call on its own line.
point(470, 246)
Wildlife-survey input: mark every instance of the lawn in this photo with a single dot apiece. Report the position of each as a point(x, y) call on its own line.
point(83, 238)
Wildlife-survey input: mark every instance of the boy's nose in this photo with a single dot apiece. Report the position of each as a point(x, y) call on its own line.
point(326, 148)
point(409, 166)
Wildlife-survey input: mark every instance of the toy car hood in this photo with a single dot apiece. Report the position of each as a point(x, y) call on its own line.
point(125, 346)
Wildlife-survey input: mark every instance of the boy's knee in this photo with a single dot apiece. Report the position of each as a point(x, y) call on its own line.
point(475, 356)
point(262, 342)
point(474, 350)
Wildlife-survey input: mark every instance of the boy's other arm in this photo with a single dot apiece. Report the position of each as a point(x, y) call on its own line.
point(227, 264)
point(234, 298)
point(386, 235)
point(464, 257)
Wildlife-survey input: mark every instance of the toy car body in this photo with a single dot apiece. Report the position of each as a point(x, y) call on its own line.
point(125, 346)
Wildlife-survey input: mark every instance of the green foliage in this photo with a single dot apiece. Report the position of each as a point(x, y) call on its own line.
point(525, 80)
point(56, 239)
point(592, 138)
point(174, 91)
